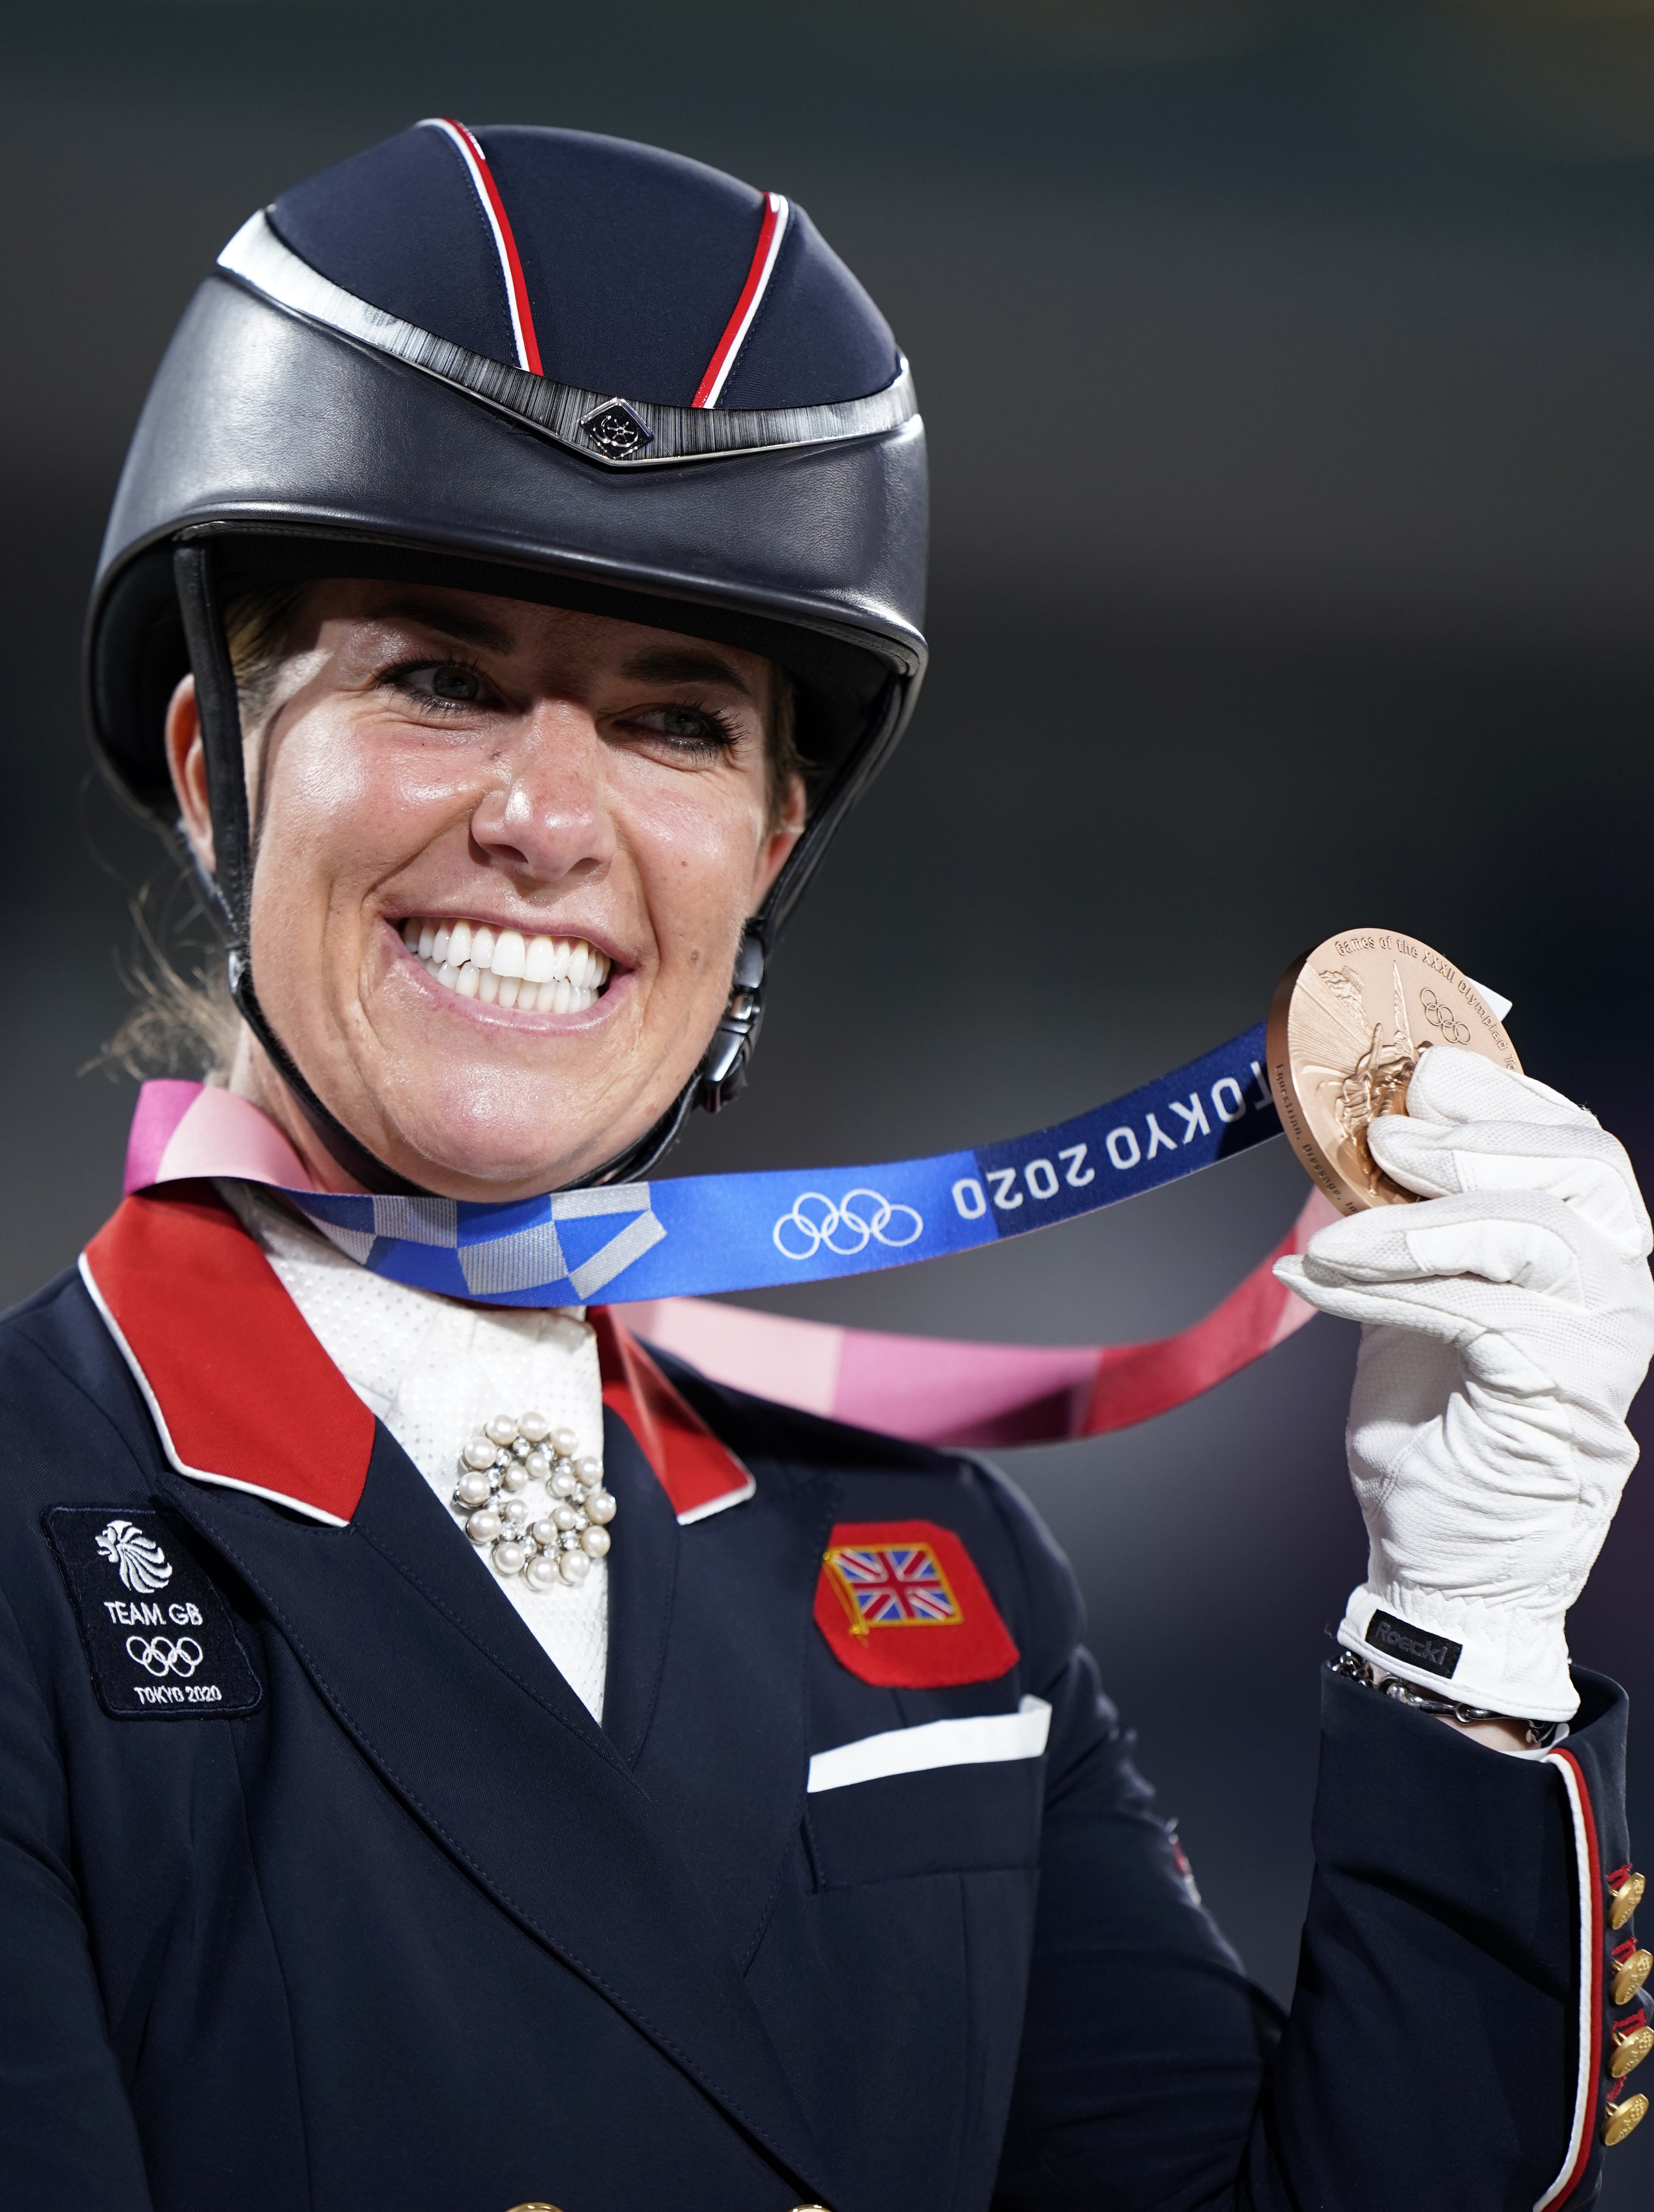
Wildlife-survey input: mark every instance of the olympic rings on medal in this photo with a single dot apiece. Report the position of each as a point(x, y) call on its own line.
point(1443, 1018)
point(843, 1221)
point(159, 1654)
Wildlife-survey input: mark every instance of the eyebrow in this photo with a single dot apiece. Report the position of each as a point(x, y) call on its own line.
point(661, 665)
point(667, 666)
point(454, 622)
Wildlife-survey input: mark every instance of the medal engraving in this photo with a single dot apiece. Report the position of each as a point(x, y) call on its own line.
point(1348, 1026)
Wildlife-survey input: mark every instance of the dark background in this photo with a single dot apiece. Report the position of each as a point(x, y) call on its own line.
point(1289, 370)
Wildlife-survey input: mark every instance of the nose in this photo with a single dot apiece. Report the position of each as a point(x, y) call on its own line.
point(547, 817)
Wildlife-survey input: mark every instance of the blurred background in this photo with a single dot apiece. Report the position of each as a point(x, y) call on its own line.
point(1289, 371)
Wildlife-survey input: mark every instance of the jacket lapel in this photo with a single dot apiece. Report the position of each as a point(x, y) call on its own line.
point(697, 1469)
point(643, 1590)
point(726, 1756)
point(708, 1635)
point(455, 1705)
point(222, 1356)
point(444, 1688)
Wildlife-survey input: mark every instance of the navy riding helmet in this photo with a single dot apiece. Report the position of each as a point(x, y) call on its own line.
point(548, 365)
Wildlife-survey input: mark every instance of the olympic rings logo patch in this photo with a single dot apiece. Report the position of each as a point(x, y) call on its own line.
point(159, 1655)
point(1444, 1019)
point(844, 1227)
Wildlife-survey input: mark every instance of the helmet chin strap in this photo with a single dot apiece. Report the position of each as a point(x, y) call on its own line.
point(720, 1075)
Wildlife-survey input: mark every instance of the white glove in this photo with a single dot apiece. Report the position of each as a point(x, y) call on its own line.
point(1507, 1323)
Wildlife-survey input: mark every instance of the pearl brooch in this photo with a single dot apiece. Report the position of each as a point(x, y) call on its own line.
point(548, 1542)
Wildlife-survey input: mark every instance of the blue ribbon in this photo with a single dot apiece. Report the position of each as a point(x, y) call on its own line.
point(692, 1235)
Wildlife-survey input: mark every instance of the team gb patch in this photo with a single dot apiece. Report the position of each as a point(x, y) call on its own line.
point(160, 1641)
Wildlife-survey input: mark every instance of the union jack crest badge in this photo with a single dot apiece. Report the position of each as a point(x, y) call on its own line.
point(902, 1606)
point(891, 1586)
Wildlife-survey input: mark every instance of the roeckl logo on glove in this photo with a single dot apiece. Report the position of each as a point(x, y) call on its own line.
point(1439, 1654)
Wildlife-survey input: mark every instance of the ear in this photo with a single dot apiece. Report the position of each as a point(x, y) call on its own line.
point(186, 762)
point(774, 852)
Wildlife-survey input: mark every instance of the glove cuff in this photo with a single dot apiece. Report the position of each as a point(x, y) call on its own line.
point(1506, 1663)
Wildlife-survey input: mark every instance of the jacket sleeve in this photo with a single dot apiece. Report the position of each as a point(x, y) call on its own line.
point(1453, 2025)
point(68, 2138)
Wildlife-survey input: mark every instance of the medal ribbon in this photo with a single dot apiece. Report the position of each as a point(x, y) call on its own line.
point(664, 1244)
point(692, 1236)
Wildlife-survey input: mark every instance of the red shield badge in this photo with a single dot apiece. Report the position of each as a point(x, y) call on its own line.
point(903, 1606)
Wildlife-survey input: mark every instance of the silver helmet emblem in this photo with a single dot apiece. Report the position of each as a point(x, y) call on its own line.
point(617, 431)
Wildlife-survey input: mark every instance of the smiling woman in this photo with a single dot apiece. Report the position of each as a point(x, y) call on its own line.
point(454, 1758)
point(573, 801)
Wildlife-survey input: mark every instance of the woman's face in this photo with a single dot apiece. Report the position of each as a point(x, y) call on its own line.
point(583, 798)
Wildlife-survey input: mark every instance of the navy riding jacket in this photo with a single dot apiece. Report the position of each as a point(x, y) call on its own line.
point(319, 1889)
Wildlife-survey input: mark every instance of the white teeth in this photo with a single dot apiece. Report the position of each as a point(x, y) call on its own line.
point(533, 975)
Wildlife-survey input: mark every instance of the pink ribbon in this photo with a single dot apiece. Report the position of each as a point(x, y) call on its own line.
point(937, 1390)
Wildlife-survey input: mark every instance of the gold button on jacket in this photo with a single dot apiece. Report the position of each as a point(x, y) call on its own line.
point(1631, 2046)
point(1622, 2119)
point(1624, 1899)
point(1630, 1975)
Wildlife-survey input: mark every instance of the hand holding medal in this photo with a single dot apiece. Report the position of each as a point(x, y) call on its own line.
point(1507, 1316)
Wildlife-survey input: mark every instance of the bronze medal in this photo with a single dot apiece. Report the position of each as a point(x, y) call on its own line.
point(1348, 1025)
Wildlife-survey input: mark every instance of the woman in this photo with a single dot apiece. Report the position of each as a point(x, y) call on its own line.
point(449, 1762)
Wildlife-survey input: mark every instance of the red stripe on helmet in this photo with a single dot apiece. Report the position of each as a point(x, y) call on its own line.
point(505, 244)
point(771, 231)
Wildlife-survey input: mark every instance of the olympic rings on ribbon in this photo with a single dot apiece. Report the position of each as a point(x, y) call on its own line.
point(842, 1219)
point(159, 1654)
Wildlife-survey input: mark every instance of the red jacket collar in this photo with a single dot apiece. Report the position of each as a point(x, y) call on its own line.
point(698, 1474)
point(225, 1360)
